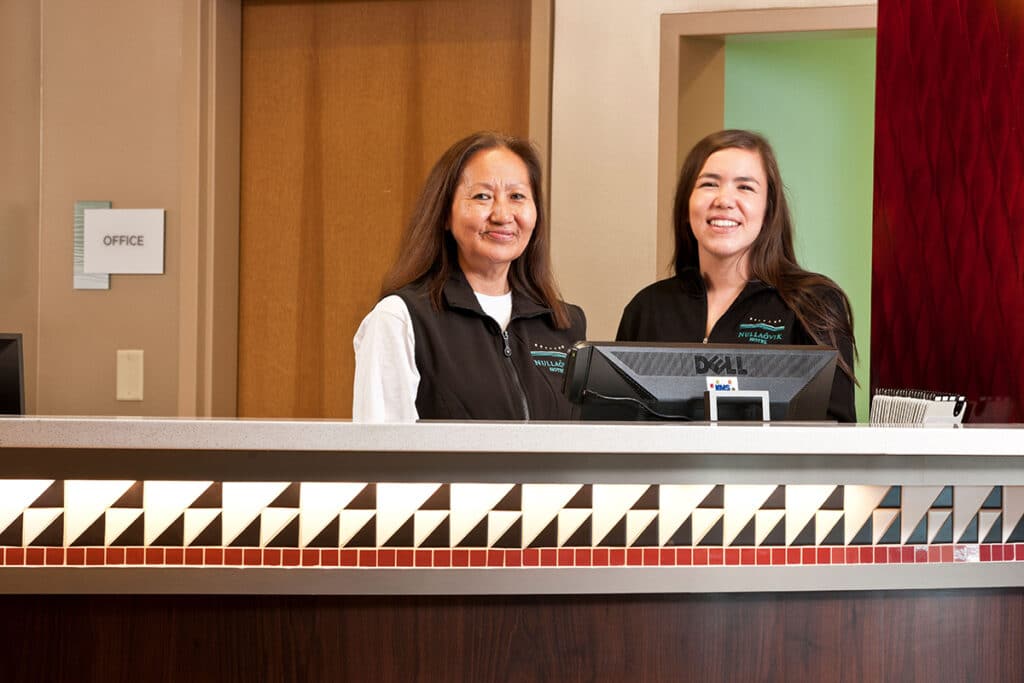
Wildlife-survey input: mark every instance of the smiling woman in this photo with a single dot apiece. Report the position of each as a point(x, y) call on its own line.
point(471, 324)
point(737, 279)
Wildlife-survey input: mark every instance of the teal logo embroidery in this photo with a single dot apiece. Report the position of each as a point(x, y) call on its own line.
point(757, 331)
point(550, 358)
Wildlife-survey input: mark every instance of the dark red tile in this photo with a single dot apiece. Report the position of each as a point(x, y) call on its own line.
point(348, 557)
point(16, 556)
point(934, 553)
point(667, 557)
point(881, 555)
point(920, 554)
point(531, 557)
point(1007, 553)
point(634, 557)
point(838, 555)
point(792, 555)
point(93, 556)
point(907, 554)
point(867, 555)
point(328, 557)
point(252, 557)
point(824, 556)
point(233, 557)
point(584, 557)
point(548, 557)
point(115, 555)
point(809, 555)
point(443, 557)
point(76, 556)
point(174, 556)
point(716, 556)
point(684, 557)
point(852, 556)
point(985, 553)
point(495, 558)
point(214, 556)
point(460, 557)
point(778, 556)
point(135, 556)
point(290, 557)
point(54, 556)
point(477, 557)
point(997, 553)
point(601, 558)
point(35, 557)
point(700, 556)
point(272, 557)
point(386, 557)
point(424, 558)
point(367, 557)
point(650, 557)
point(310, 557)
point(895, 555)
point(404, 557)
point(764, 555)
point(748, 556)
point(617, 557)
point(566, 557)
point(732, 556)
point(1018, 551)
point(514, 557)
point(947, 553)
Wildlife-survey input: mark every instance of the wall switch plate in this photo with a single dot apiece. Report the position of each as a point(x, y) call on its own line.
point(129, 375)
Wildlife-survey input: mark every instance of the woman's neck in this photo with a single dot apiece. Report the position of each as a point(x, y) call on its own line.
point(724, 276)
point(492, 282)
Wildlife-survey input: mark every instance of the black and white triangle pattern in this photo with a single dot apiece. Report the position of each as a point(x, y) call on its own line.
point(464, 515)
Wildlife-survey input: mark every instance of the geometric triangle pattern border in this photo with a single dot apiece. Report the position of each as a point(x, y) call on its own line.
point(439, 516)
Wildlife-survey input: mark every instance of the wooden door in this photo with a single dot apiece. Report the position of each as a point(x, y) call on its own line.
point(345, 106)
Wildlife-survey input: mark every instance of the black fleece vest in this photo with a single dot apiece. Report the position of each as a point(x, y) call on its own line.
point(470, 370)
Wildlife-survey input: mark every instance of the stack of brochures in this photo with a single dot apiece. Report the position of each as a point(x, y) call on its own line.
point(910, 406)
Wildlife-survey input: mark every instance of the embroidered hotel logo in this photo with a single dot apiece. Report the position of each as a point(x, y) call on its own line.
point(756, 331)
point(550, 358)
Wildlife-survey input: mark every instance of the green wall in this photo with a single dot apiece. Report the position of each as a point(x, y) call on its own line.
point(813, 96)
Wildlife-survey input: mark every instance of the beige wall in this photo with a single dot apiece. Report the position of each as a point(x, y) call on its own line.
point(19, 175)
point(605, 146)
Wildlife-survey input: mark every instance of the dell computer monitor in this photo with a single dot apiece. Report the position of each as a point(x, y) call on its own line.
point(12, 386)
point(630, 381)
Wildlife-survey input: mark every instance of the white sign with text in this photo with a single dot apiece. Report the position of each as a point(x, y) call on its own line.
point(124, 241)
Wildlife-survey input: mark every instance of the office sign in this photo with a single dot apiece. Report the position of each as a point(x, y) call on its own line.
point(124, 241)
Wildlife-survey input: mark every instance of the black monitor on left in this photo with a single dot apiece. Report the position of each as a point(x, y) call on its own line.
point(699, 382)
point(12, 376)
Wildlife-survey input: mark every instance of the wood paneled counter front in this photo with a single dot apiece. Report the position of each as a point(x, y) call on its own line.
point(129, 505)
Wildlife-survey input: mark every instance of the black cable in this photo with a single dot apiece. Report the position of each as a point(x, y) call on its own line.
point(630, 399)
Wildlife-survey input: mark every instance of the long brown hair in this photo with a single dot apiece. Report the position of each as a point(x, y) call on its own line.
point(772, 257)
point(430, 252)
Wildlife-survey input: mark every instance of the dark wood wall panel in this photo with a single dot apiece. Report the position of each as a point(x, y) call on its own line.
point(345, 106)
point(948, 254)
point(898, 636)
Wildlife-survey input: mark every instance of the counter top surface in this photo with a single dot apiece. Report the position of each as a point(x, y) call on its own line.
point(139, 433)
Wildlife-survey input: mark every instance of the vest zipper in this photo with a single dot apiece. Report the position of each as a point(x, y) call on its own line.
point(515, 375)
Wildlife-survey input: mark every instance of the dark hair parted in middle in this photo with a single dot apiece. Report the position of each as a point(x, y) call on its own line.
point(430, 252)
point(772, 258)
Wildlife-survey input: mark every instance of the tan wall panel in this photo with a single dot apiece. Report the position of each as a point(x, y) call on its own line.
point(345, 106)
point(19, 178)
point(110, 103)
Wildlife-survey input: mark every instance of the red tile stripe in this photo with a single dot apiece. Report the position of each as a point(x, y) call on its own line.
point(406, 558)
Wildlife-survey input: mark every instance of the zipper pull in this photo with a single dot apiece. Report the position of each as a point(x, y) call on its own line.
point(504, 338)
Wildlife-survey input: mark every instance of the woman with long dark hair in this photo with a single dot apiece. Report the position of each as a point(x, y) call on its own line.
point(471, 324)
point(737, 279)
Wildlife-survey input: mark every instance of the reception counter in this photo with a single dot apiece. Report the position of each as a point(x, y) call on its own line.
point(94, 505)
point(317, 550)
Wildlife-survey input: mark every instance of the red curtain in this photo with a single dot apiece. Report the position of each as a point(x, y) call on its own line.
point(948, 251)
